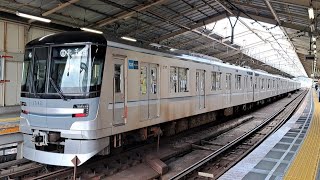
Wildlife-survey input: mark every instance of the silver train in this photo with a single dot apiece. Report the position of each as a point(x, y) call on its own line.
point(82, 95)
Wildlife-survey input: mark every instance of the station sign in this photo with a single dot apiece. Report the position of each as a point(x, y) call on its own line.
point(132, 64)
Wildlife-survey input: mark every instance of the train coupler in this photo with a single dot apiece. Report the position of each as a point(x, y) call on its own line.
point(39, 138)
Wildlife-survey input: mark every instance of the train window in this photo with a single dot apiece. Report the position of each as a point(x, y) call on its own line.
point(273, 84)
point(245, 82)
point(262, 83)
point(250, 82)
point(98, 54)
point(228, 81)
point(143, 80)
point(238, 81)
point(118, 77)
point(218, 81)
point(153, 73)
point(256, 83)
point(173, 79)
point(213, 81)
point(268, 83)
point(200, 80)
point(183, 79)
point(178, 79)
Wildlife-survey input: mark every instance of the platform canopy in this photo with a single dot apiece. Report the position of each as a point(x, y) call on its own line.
point(262, 41)
point(272, 35)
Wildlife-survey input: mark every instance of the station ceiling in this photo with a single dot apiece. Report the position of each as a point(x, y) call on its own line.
point(191, 25)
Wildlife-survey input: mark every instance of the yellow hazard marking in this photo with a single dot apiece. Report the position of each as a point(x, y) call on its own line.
point(10, 119)
point(8, 129)
point(305, 164)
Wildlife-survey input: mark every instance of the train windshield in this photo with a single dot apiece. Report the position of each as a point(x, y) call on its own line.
point(70, 69)
point(73, 70)
point(25, 86)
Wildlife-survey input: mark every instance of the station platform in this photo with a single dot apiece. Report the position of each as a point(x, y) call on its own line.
point(9, 123)
point(9, 129)
point(10, 109)
point(292, 152)
point(10, 135)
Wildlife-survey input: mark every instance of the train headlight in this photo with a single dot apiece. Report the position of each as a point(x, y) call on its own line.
point(85, 108)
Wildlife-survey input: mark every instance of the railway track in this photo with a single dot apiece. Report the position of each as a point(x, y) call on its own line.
point(17, 168)
point(179, 145)
point(226, 154)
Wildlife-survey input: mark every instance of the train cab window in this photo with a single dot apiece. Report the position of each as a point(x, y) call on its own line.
point(26, 70)
point(238, 81)
point(71, 67)
point(143, 80)
point(178, 79)
point(118, 78)
point(40, 68)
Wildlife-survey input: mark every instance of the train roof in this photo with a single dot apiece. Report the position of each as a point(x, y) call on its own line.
point(69, 37)
point(88, 37)
point(213, 61)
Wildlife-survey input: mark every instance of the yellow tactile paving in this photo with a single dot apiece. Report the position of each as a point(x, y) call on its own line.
point(9, 119)
point(305, 164)
point(8, 129)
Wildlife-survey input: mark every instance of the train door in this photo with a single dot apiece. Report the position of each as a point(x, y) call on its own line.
point(228, 88)
point(246, 89)
point(119, 90)
point(149, 91)
point(200, 88)
point(1, 83)
point(277, 81)
point(252, 86)
point(257, 88)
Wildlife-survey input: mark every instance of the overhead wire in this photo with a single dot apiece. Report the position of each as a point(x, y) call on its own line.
point(268, 30)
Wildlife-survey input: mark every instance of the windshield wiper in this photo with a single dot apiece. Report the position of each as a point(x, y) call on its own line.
point(62, 96)
point(32, 86)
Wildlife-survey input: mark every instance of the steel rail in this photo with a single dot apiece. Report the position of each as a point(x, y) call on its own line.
point(277, 126)
point(230, 144)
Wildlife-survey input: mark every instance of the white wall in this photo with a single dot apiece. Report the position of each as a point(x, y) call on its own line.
point(13, 38)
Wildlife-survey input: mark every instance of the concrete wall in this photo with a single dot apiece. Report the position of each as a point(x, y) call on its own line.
point(13, 38)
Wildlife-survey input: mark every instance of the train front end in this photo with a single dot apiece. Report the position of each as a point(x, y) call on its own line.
point(60, 95)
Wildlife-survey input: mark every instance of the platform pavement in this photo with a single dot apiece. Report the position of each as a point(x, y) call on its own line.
point(10, 131)
point(10, 117)
point(9, 109)
point(306, 162)
point(272, 158)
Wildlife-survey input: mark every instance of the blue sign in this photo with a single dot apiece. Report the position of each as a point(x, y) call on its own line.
point(132, 64)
